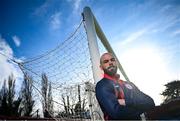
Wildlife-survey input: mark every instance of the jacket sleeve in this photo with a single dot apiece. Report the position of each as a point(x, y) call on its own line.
point(109, 103)
point(140, 100)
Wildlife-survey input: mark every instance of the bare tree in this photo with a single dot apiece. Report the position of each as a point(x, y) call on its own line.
point(64, 103)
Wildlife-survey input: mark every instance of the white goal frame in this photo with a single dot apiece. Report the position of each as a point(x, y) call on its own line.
point(93, 28)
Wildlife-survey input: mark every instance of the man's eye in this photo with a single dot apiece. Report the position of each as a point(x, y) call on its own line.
point(106, 61)
point(113, 59)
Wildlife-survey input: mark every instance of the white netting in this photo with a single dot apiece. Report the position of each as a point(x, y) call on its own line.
point(66, 67)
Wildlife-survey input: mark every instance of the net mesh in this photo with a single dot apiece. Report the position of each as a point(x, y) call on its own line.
point(66, 67)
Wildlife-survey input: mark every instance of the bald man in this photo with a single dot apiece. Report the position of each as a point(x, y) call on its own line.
point(119, 99)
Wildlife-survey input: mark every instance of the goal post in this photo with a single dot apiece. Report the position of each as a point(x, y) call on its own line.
point(93, 30)
point(75, 61)
point(92, 41)
point(92, 26)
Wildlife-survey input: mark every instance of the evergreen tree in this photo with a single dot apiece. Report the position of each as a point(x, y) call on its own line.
point(47, 97)
point(26, 94)
point(3, 100)
point(172, 91)
point(50, 100)
point(9, 106)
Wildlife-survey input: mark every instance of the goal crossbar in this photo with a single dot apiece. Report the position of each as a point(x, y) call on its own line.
point(93, 29)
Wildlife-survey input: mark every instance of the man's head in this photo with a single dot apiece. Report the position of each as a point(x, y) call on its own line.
point(108, 64)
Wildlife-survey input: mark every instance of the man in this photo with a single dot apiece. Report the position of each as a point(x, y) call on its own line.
point(119, 99)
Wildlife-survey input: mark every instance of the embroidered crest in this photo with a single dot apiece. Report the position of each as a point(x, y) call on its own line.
point(128, 86)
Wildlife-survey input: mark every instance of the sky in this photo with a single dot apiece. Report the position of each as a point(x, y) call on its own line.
point(145, 35)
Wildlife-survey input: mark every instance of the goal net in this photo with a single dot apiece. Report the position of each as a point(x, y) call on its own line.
point(69, 68)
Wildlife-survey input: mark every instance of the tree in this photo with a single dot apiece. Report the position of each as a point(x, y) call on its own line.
point(3, 100)
point(172, 91)
point(47, 101)
point(64, 103)
point(26, 94)
point(77, 108)
point(9, 106)
point(50, 100)
point(80, 106)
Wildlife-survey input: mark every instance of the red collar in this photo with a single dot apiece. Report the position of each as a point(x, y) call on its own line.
point(109, 77)
point(113, 78)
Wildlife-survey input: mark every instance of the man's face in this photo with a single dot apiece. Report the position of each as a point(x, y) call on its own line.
point(108, 64)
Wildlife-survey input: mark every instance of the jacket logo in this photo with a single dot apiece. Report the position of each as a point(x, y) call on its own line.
point(128, 86)
point(117, 86)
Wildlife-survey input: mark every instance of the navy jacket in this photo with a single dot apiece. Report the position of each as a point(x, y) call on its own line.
point(136, 101)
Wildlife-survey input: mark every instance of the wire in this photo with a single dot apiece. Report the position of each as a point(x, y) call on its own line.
point(10, 59)
point(48, 52)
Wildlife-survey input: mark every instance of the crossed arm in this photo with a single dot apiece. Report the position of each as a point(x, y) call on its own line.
point(115, 108)
point(134, 104)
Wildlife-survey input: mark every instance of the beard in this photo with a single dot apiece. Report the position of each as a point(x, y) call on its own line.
point(111, 70)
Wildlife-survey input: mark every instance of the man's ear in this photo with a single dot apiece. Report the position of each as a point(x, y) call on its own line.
point(100, 66)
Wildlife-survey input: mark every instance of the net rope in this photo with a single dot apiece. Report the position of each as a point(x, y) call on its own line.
point(66, 66)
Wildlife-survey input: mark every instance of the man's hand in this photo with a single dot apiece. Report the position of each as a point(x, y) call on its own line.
point(122, 102)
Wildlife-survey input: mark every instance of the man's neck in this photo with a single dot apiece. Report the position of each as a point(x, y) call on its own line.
point(112, 77)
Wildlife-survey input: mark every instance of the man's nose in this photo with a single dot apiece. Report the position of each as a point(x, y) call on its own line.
point(110, 63)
